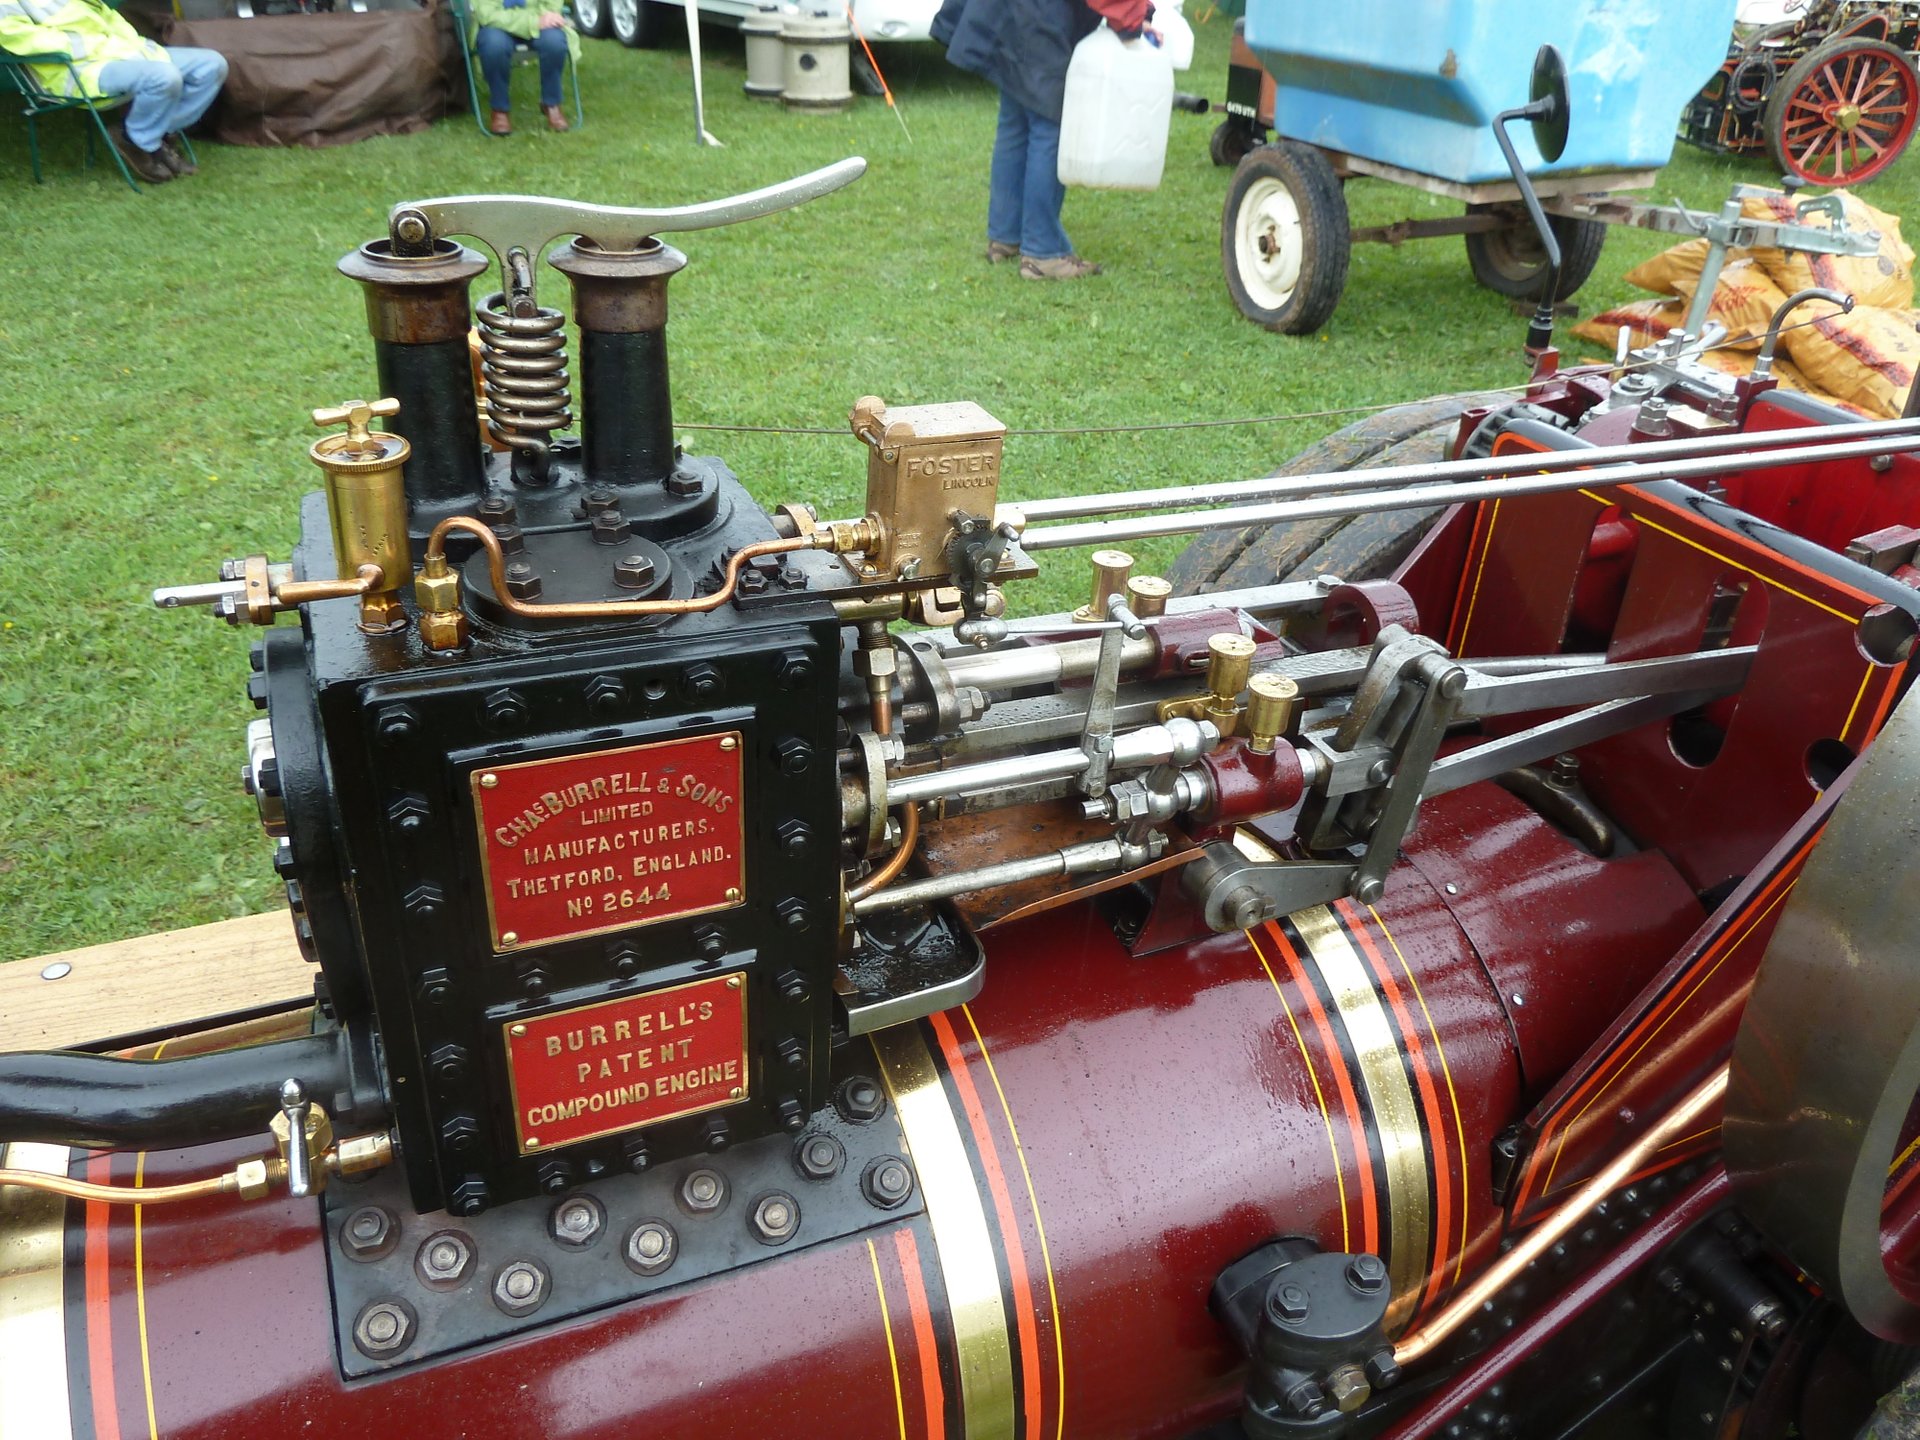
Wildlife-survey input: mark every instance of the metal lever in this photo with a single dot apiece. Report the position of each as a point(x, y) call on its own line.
point(532, 222)
point(295, 1106)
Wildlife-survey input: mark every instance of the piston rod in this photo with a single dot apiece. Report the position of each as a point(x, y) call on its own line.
point(1178, 741)
point(1282, 487)
point(1111, 854)
point(1413, 497)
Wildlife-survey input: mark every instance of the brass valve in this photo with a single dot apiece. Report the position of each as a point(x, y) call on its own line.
point(1111, 571)
point(1147, 596)
point(367, 503)
point(1229, 661)
point(1271, 701)
point(443, 624)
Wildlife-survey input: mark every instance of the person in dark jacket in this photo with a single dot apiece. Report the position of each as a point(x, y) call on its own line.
point(1023, 47)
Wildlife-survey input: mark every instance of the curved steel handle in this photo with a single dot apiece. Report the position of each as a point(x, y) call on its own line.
point(531, 222)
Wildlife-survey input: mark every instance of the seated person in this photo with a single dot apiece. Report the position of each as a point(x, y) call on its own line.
point(171, 87)
point(498, 25)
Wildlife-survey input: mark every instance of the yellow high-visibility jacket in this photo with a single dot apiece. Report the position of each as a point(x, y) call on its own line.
point(86, 31)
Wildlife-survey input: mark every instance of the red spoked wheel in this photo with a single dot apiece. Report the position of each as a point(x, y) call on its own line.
point(1844, 112)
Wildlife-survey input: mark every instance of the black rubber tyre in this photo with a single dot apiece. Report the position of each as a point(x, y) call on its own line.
point(865, 79)
point(593, 17)
point(1232, 138)
point(1354, 547)
point(1284, 238)
point(634, 23)
point(1511, 262)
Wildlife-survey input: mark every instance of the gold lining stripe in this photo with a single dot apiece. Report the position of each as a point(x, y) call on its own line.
point(1396, 1118)
point(968, 1268)
point(893, 1355)
point(34, 1399)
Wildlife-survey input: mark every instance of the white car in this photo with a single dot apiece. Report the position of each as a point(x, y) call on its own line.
point(648, 22)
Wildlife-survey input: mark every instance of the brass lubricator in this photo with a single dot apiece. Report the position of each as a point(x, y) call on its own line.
point(1112, 572)
point(1271, 703)
point(367, 502)
point(1229, 662)
point(926, 466)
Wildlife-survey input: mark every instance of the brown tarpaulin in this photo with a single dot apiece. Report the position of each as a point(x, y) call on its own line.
point(330, 79)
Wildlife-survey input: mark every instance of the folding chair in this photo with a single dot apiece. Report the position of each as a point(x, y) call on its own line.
point(523, 51)
point(17, 76)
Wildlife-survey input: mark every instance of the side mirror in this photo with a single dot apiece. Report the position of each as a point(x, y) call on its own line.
point(1547, 112)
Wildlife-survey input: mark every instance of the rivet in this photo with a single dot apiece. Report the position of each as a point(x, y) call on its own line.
point(533, 1142)
point(733, 982)
point(58, 970)
point(516, 1029)
point(512, 937)
point(727, 742)
point(489, 780)
point(733, 894)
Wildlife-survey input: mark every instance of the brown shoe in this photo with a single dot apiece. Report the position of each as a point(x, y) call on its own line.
point(998, 250)
point(501, 123)
point(147, 164)
point(556, 117)
point(1059, 267)
point(175, 158)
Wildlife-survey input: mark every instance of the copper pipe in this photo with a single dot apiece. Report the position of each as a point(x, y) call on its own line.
point(602, 609)
point(882, 712)
point(1679, 1123)
point(298, 592)
point(896, 862)
point(122, 1194)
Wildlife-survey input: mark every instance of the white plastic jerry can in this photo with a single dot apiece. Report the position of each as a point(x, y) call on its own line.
point(1113, 128)
point(1176, 35)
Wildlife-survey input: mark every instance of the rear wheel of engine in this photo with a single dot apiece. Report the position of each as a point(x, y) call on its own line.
point(1284, 238)
point(1510, 261)
point(1353, 547)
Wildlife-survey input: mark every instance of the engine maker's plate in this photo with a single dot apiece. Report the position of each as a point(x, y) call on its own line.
point(605, 840)
point(597, 1069)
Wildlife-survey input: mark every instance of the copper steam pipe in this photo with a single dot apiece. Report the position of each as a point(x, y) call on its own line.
point(1677, 1125)
point(603, 609)
point(896, 862)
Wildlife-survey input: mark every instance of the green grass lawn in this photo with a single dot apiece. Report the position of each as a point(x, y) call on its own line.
point(161, 353)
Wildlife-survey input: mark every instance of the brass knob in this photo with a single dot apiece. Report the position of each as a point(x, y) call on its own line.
point(1111, 569)
point(358, 442)
point(1229, 660)
point(1147, 595)
point(1271, 700)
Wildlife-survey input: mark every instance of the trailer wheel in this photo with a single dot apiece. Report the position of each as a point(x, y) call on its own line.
point(1354, 547)
point(1843, 113)
point(1232, 138)
point(593, 17)
point(634, 23)
point(1283, 238)
point(1510, 261)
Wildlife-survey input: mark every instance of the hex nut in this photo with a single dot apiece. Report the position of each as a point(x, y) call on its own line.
point(861, 1099)
point(818, 1157)
point(369, 1233)
point(383, 1329)
point(703, 1192)
point(521, 1287)
point(1288, 1303)
point(1347, 1387)
point(444, 1259)
point(438, 592)
point(651, 1247)
point(887, 1182)
point(775, 1219)
point(577, 1221)
point(1366, 1273)
point(443, 629)
point(683, 482)
point(523, 581)
point(610, 527)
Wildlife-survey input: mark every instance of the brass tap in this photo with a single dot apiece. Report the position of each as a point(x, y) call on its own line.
point(1147, 596)
point(1111, 571)
point(1271, 700)
point(1229, 660)
point(367, 503)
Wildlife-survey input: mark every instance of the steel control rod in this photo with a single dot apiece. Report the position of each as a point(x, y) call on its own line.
point(1278, 487)
point(1413, 497)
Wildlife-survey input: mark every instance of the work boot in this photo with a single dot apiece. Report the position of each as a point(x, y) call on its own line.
point(147, 164)
point(998, 250)
point(175, 158)
point(556, 117)
point(1058, 267)
point(501, 123)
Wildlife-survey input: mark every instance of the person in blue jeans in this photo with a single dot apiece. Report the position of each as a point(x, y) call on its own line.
point(500, 25)
point(1023, 47)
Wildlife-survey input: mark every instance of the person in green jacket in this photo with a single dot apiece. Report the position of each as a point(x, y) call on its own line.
point(498, 26)
point(103, 57)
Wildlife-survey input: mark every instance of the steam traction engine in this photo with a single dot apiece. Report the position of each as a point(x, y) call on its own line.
point(764, 989)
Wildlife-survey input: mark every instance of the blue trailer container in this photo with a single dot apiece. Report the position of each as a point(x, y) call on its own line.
point(1416, 83)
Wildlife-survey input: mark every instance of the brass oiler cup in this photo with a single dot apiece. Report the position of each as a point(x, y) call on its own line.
point(367, 504)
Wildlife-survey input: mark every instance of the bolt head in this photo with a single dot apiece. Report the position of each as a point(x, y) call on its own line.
point(710, 942)
point(887, 1182)
point(1288, 1303)
point(1366, 1273)
point(383, 1329)
point(776, 1217)
point(369, 1233)
point(793, 755)
point(1307, 1400)
point(577, 1221)
point(1382, 1369)
point(1348, 1388)
point(861, 1099)
point(819, 1157)
point(795, 836)
point(520, 1288)
point(522, 582)
point(700, 682)
point(703, 1192)
point(651, 1247)
point(633, 572)
point(460, 1134)
point(683, 482)
point(444, 1259)
point(795, 670)
point(610, 527)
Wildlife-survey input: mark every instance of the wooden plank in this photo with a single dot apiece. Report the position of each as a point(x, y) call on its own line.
point(151, 982)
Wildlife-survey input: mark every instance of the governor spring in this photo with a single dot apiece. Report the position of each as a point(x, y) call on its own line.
point(523, 368)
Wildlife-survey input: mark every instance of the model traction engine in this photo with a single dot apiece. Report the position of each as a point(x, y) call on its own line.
point(761, 985)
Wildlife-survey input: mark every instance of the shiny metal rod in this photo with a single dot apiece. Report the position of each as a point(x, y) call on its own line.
point(1413, 497)
point(1071, 860)
point(1278, 487)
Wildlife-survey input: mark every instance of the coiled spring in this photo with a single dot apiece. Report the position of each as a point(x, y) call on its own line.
point(523, 366)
